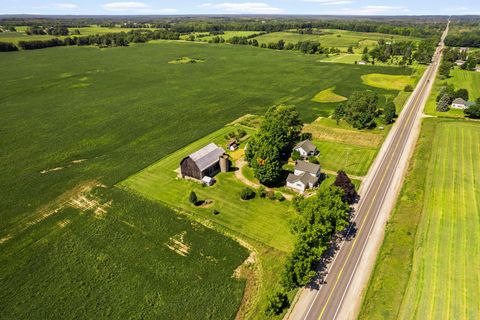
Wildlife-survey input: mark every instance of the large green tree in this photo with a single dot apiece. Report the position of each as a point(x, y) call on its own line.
point(319, 218)
point(275, 139)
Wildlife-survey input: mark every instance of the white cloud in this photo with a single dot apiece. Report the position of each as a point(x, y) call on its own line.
point(375, 10)
point(243, 7)
point(64, 6)
point(329, 2)
point(121, 6)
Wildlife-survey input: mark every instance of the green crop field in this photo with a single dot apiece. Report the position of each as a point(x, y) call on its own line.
point(110, 114)
point(469, 80)
point(427, 268)
point(135, 260)
point(341, 39)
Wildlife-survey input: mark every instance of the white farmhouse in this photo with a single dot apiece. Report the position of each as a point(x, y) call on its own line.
point(459, 103)
point(306, 148)
point(306, 176)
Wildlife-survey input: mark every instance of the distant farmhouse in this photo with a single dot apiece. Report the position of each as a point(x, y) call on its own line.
point(459, 63)
point(306, 176)
point(205, 163)
point(459, 103)
point(306, 148)
point(477, 68)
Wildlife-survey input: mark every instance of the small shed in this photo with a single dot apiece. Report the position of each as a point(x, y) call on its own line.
point(208, 180)
point(232, 145)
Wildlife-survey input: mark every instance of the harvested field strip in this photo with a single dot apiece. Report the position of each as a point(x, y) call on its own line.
point(328, 96)
point(386, 81)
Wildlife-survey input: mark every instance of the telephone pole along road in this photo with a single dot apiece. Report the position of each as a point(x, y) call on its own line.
point(339, 295)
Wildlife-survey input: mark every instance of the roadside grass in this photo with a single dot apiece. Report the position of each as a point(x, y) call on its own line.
point(354, 160)
point(461, 79)
point(120, 266)
point(341, 39)
point(327, 96)
point(425, 266)
point(385, 81)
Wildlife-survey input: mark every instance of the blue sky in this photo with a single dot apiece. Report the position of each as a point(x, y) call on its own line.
point(348, 7)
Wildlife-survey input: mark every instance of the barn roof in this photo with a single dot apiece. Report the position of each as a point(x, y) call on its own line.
point(207, 156)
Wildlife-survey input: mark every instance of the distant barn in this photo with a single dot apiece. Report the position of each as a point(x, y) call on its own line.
point(204, 162)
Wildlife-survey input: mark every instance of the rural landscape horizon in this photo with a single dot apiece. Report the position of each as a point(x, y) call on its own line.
point(297, 160)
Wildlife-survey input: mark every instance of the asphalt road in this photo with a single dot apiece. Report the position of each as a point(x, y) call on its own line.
point(329, 297)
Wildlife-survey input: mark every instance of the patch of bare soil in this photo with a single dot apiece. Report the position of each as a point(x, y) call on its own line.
point(206, 203)
point(177, 244)
point(79, 197)
point(51, 170)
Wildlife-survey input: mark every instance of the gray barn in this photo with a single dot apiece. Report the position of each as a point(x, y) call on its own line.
point(204, 162)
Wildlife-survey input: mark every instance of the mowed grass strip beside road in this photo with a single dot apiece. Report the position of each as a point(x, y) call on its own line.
point(428, 262)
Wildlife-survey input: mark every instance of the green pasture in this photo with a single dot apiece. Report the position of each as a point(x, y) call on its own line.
point(341, 39)
point(427, 265)
point(469, 80)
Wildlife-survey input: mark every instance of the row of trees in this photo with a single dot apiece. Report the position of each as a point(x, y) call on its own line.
point(464, 39)
point(408, 50)
point(361, 110)
point(319, 218)
point(473, 111)
point(451, 55)
point(7, 46)
point(103, 40)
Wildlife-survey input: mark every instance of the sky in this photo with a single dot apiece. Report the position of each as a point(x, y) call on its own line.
point(169, 7)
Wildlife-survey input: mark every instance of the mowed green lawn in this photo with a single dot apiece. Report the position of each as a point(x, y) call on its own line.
point(263, 220)
point(461, 79)
point(355, 160)
point(341, 39)
point(431, 272)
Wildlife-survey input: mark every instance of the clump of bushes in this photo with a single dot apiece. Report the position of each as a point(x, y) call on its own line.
point(247, 194)
point(408, 88)
point(296, 155)
point(193, 198)
point(276, 303)
point(313, 159)
point(215, 212)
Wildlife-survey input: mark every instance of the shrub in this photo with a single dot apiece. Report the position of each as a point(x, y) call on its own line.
point(262, 193)
point(247, 194)
point(193, 198)
point(473, 111)
point(305, 136)
point(408, 88)
point(276, 303)
point(270, 194)
point(443, 104)
point(296, 155)
point(313, 159)
point(279, 196)
point(215, 211)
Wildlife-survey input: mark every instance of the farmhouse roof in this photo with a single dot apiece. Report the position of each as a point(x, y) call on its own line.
point(306, 145)
point(305, 166)
point(304, 178)
point(459, 101)
point(207, 156)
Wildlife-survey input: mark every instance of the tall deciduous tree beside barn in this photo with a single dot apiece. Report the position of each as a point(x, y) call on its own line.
point(275, 139)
